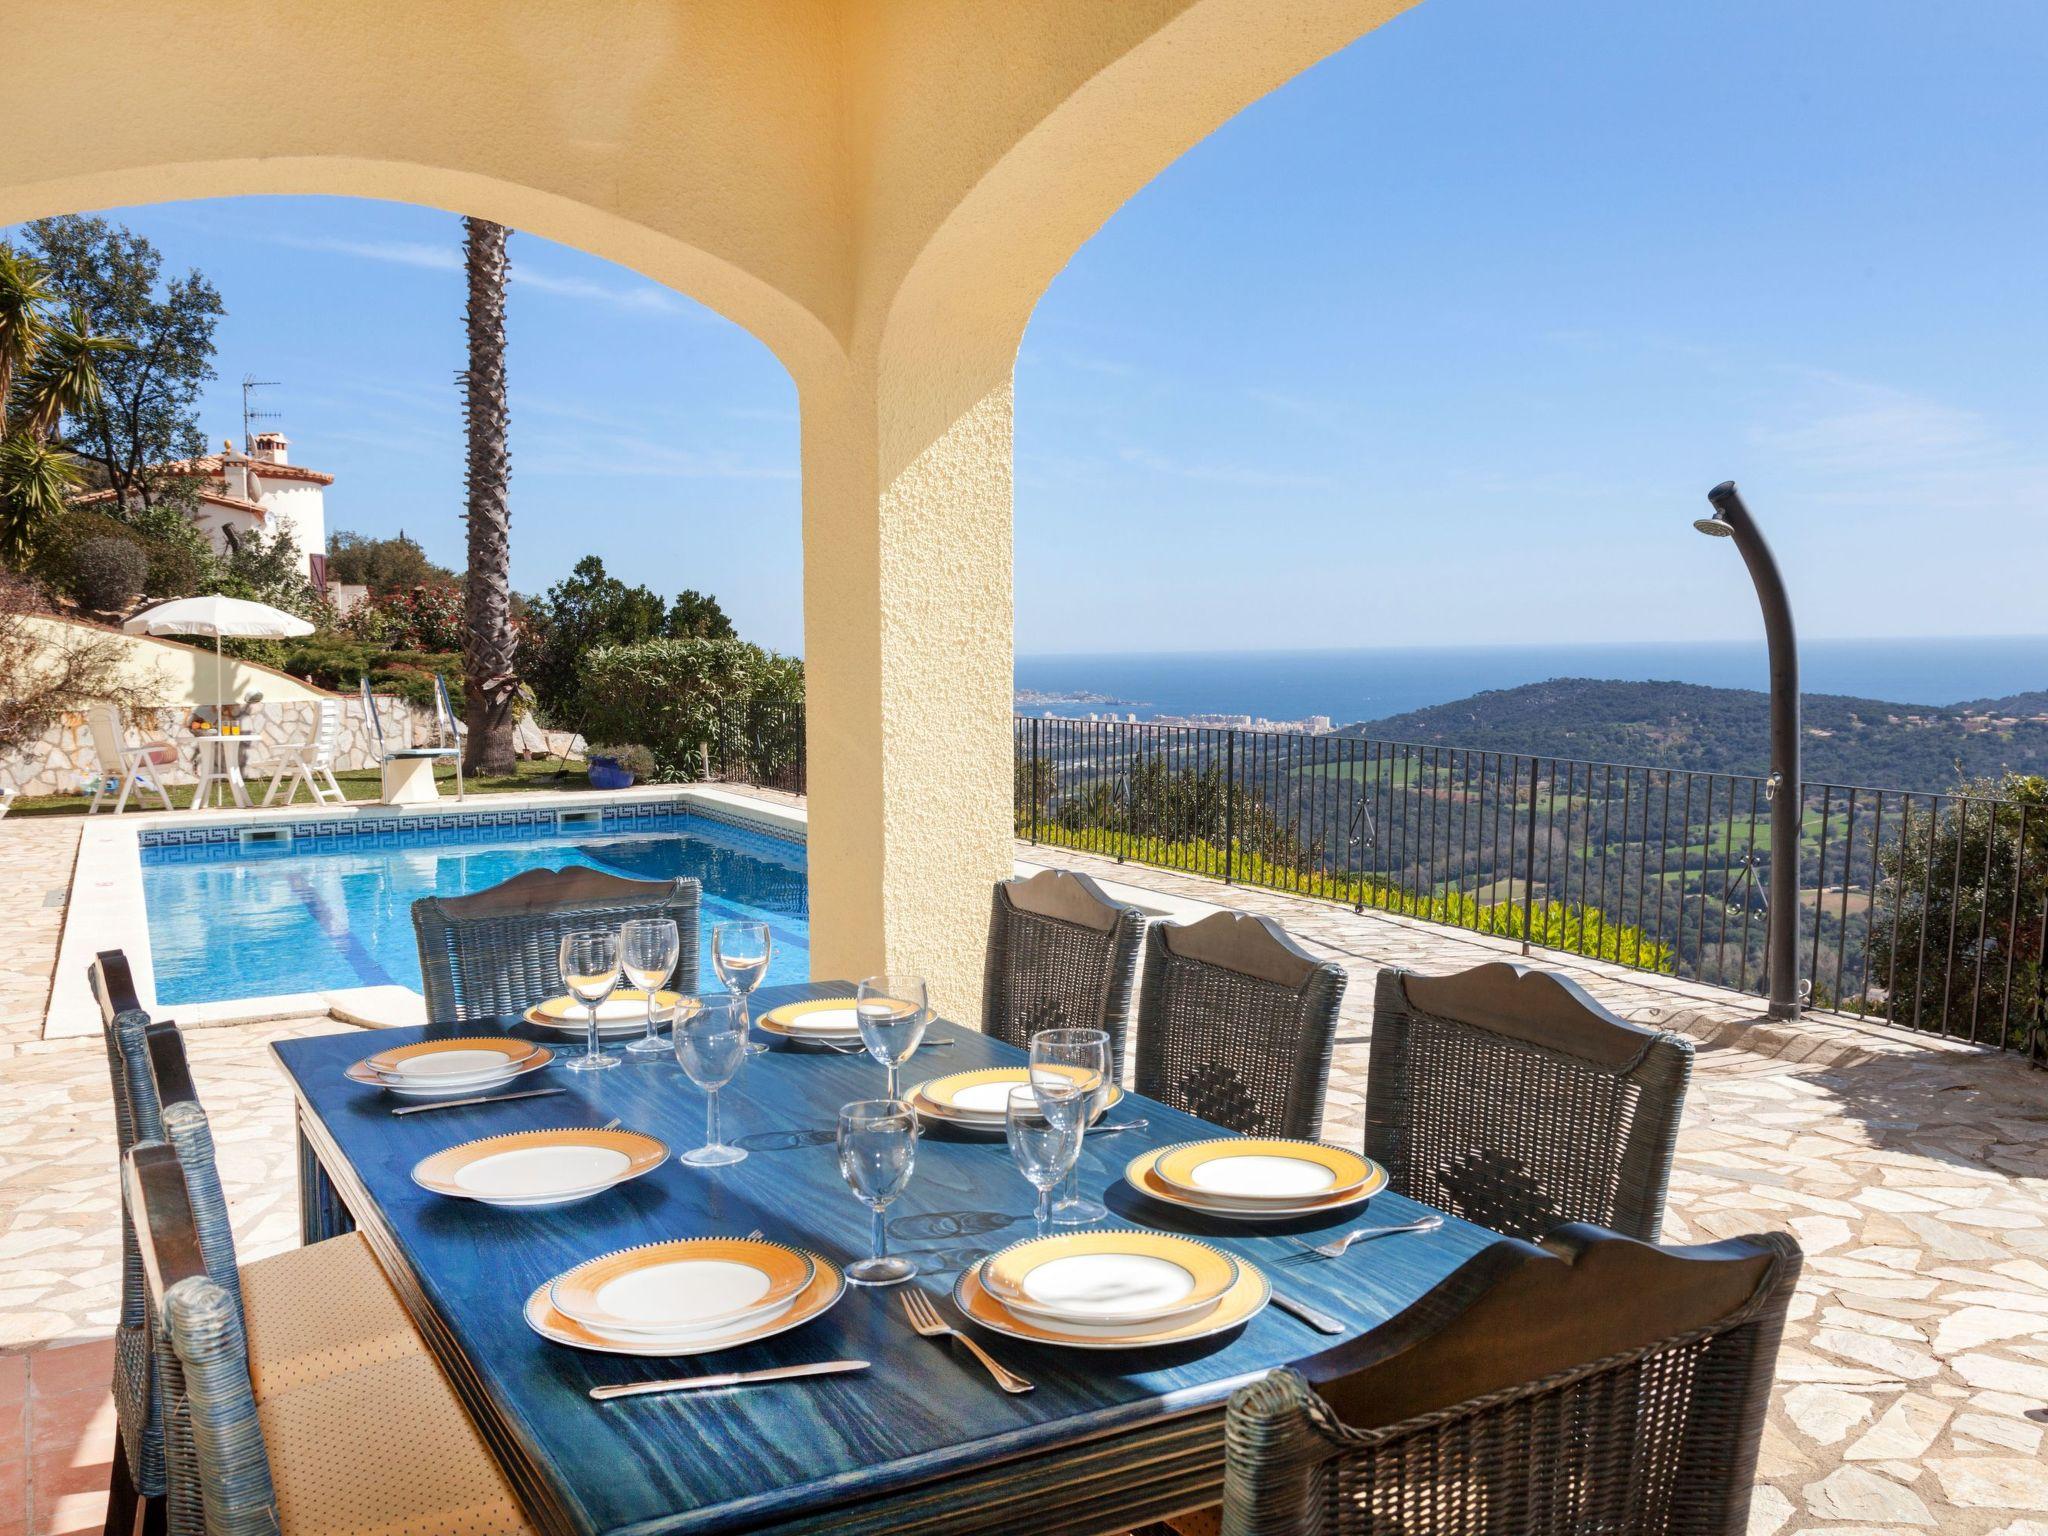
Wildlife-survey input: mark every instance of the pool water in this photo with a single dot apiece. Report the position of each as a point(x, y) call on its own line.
point(329, 911)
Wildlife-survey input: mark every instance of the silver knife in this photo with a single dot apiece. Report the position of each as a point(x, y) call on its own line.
point(1322, 1322)
point(503, 1098)
point(726, 1379)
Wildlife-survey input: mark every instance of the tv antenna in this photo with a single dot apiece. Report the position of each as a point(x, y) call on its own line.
point(251, 382)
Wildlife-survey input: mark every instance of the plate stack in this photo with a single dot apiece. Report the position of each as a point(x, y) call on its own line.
point(978, 1101)
point(1239, 1178)
point(822, 1021)
point(533, 1168)
point(1110, 1290)
point(622, 1014)
point(685, 1297)
point(436, 1069)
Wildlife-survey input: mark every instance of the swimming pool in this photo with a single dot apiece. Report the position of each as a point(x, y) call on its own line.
point(328, 903)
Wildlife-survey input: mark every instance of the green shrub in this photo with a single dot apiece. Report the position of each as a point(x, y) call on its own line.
point(679, 696)
point(632, 757)
point(334, 662)
point(110, 573)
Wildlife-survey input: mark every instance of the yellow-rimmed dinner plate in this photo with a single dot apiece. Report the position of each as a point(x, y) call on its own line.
point(1110, 1279)
point(529, 1168)
point(821, 1018)
point(622, 1014)
point(1142, 1176)
point(982, 1096)
point(359, 1072)
point(1232, 1309)
point(826, 1287)
point(445, 1061)
point(686, 1286)
point(1257, 1173)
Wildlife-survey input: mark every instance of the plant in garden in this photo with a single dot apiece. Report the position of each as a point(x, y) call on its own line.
point(396, 564)
point(630, 756)
point(1963, 896)
point(110, 573)
point(676, 696)
point(48, 668)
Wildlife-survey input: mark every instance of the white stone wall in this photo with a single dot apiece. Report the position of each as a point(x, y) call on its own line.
point(65, 756)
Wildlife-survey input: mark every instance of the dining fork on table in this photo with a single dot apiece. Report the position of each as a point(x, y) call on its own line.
point(1339, 1245)
point(926, 1322)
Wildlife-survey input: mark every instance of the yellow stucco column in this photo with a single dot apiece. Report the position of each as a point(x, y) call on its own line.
point(907, 626)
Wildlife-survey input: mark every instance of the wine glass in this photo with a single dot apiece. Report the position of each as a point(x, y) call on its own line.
point(589, 962)
point(877, 1148)
point(739, 953)
point(711, 1046)
point(892, 1013)
point(1044, 1145)
point(647, 953)
point(1070, 1072)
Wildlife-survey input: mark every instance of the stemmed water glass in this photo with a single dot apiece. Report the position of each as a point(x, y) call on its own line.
point(711, 1045)
point(739, 953)
point(877, 1149)
point(647, 953)
point(892, 1012)
point(589, 961)
point(1044, 1144)
point(1070, 1074)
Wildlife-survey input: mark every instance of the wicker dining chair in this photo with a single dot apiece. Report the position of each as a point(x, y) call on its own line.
point(1508, 1096)
point(1594, 1383)
point(138, 1462)
point(1061, 955)
point(495, 952)
point(311, 1312)
point(1236, 1023)
point(383, 1447)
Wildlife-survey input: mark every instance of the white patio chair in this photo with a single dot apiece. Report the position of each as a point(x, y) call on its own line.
point(445, 727)
point(133, 767)
point(310, 762)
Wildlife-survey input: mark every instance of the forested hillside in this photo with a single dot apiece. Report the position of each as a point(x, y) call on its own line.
point(1727, 730)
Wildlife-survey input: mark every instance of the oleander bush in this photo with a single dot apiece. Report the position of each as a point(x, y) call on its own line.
point(689, 698)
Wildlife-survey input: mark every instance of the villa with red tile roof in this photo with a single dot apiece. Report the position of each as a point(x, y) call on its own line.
point(240, 493)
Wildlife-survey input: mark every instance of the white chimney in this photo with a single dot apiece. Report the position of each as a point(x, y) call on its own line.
point(234, 471)
point(270, 448)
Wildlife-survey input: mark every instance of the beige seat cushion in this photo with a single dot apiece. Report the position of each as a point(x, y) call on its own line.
point(315, 1312)
point(383, 1450)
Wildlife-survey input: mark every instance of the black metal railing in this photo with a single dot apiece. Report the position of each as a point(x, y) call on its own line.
point(1928, 910)
point(758, 744)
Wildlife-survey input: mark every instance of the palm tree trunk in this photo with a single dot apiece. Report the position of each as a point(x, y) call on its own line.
point(490, 684)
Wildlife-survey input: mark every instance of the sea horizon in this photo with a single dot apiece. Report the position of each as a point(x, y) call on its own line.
point(1370, 683)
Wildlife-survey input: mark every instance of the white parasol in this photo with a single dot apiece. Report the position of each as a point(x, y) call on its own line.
point(216, 615)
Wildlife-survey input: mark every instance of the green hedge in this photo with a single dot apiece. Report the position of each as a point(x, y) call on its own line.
point(329, 661)
point(676, 696)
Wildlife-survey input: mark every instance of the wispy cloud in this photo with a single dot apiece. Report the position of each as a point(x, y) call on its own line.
point(637, 297)
point(1248, 476)
point(627, 455)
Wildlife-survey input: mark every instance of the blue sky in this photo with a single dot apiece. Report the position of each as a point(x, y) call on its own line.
point(1442, 343)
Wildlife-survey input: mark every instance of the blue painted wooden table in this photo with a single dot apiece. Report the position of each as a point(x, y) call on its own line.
point(923, 1442)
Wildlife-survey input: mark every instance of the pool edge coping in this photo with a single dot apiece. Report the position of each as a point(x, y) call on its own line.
point(105, 907)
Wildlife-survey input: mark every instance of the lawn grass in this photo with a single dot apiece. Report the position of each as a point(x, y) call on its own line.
point(359, 784)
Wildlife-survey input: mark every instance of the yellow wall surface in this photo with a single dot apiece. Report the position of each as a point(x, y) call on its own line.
point(879, 189)
point(172, 674)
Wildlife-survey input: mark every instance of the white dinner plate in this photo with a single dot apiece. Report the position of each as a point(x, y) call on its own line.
point(524, 1169)
point(826, 1287)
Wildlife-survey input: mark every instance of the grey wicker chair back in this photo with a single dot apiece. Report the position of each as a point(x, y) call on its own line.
point(1061, 955)
point(136, 1119)
point(495, 952)
point(1592, 1384)
point(1508, 1096)
point(218, 1477)
point(1236, 1023)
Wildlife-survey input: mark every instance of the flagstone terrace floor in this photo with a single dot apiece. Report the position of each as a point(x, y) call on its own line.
point(1912, 1392)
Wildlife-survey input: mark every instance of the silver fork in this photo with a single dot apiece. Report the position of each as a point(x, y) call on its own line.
point(1337, 1247)
point(925, 1320)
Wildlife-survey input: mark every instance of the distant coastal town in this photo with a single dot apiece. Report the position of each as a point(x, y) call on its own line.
point(1032, 699)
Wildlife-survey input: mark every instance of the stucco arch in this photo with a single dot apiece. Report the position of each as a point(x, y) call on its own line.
point(879, 190)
